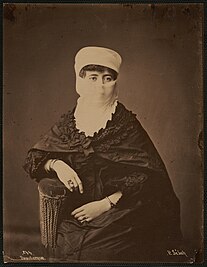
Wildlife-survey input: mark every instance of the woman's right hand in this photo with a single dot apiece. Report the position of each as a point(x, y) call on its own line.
point(67, 176)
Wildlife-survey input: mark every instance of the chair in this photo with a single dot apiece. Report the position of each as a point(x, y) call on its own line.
point(53, 196)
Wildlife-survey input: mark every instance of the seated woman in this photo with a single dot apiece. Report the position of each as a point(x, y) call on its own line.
point(122, 204)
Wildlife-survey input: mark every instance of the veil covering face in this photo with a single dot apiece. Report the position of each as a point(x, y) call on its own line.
point(97, 101)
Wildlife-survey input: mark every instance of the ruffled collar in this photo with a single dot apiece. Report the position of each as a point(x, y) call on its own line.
point(64, 135)
point(121, 124)
point(101, 130)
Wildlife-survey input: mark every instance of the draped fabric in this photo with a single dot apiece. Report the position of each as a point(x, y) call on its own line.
point(146, 220)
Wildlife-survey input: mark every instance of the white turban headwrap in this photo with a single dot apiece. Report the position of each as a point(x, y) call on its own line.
point(94, 110)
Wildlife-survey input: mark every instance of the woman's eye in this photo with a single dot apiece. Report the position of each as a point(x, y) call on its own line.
point(108, 79)
point(93, 79)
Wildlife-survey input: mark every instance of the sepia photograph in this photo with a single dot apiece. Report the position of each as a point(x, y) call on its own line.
point(103, 133)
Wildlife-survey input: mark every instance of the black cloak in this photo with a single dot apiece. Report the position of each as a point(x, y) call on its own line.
point(145, 223)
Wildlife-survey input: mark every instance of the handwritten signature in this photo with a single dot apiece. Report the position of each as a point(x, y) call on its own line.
point(176, 252)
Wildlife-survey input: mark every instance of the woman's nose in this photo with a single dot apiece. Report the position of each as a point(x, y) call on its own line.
point(100, 87)
point(100, 82)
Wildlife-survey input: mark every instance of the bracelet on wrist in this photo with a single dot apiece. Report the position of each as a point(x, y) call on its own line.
point(110, 202)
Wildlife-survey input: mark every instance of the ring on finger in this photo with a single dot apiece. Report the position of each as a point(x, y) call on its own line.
point(70, 182)
point(82, 218)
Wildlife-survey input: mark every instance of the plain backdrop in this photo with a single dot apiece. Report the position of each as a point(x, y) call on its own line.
point(160, 81)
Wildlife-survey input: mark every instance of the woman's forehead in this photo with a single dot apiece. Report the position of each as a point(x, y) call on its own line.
point(95, 72)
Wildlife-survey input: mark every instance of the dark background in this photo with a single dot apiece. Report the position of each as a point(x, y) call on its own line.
point(160, 80)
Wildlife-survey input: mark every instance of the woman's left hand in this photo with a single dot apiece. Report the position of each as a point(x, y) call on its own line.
point(91, 210)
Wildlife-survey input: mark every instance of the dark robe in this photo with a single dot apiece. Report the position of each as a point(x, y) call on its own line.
point(145, 223)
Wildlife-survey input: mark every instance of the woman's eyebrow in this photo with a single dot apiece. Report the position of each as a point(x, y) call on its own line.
point(107, 75)
point(93, 74)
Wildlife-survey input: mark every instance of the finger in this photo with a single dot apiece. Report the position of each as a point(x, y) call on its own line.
point(85, 220)
point(71, 187)
point(77, 211)
point(79, 215)
point(70, 184)
point(80, 185)
point(73, 182)
point(68, 187)
point(80, 188)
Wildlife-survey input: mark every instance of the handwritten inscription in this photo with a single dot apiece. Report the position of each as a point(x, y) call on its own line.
point(28, 255)
point(176, 252)
point(32, 258)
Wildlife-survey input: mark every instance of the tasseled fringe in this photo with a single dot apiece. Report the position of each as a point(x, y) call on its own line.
point(50, 210)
